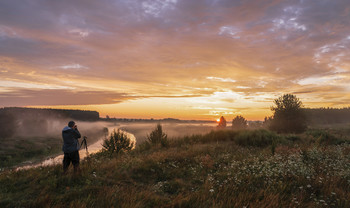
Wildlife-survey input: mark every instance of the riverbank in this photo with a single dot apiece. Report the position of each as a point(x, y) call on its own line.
point(19, 151)
point(219, 169)
point(83, 153)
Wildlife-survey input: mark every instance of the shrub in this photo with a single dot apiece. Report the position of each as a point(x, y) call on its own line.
point(292, 137)
point(325, 137)
point(257, 138)
point(157, 136)
point(117, 142)
point(239, 122)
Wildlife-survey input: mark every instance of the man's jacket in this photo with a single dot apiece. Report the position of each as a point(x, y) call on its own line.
point(70, 140)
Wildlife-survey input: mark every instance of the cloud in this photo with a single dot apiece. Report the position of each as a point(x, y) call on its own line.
point(17, 84)
point(175, 48)
point(79, 32)
point(221, 79)
point(230, 31)
point(73, 66)
point(156, 7)
point(31, 97)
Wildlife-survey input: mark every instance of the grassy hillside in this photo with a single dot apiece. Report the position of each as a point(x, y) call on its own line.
point(220, 169)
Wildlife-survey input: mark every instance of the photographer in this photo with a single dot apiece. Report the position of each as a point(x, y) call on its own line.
point(70, 135)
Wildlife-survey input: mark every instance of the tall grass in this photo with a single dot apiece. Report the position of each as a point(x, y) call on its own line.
point(254, 138)
point(220, 169)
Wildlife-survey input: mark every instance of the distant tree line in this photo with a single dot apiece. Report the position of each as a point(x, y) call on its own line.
point(289, 116)
point(327, 115)
point(81, 115)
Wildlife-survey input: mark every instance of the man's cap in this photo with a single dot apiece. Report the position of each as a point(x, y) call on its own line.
point(71, 123)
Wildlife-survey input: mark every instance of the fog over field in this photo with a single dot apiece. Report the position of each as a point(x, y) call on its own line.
point(53, 127)
point(173, 130)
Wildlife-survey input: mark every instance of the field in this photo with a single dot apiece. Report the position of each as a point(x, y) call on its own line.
point(254, 168)
point(24, 149)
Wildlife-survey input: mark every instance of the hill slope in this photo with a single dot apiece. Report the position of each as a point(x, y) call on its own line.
point(220, 169)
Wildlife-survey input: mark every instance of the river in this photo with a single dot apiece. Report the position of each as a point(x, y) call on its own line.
point(93, 148)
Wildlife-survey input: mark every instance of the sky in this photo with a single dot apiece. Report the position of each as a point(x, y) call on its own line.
point(187, 59)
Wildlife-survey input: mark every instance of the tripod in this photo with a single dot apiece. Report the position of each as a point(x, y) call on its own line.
point(84, 143)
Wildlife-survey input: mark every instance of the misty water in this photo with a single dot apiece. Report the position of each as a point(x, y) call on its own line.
point(92, 148)
point(137, 132)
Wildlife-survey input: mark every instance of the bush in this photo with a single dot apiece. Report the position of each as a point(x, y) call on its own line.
point(239, 122)
point(117, 142)
point(325, 137)
point(257, 138)
point(157, 136)
point(292, 137)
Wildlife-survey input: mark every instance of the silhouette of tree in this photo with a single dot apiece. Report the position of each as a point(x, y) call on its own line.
point(239, 122)
point(288, 116)
point(222, 122)
point(157, 136)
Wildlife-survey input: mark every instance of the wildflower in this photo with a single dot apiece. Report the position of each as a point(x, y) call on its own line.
point(309, 186)
point(211, 190)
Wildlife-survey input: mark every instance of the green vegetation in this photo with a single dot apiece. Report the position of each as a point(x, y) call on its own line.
point(288, 116)
point(327, 116)
point(255, 168)
point(117, 142)
point(157, 136)
point(15, 150)
point(24, 150)
point(239, 122)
